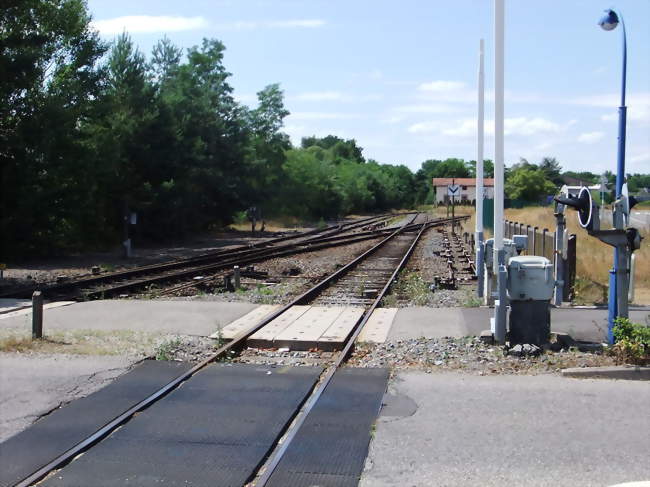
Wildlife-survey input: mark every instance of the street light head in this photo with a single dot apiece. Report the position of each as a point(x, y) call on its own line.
point(609, 21)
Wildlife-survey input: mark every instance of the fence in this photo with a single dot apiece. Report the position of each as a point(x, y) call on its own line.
point(542, 242)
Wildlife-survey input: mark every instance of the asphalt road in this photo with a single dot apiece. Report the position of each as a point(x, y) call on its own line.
point(461, 430)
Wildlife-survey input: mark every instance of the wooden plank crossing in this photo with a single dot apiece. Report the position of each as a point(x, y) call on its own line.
point(308, 327)
point(246, 322)
point(313, 327)
point(264, 338)
point(304, 333)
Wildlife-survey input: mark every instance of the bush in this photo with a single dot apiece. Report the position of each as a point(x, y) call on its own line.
point(632, 342)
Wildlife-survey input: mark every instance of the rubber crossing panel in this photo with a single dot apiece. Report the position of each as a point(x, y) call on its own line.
point(52, 435)
point(331, 446)
point(214, 430)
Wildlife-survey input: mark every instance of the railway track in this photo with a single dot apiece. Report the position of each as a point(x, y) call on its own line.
point(380, 265)
point(141, 277)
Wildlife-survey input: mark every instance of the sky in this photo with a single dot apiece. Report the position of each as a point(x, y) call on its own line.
point(400, 77)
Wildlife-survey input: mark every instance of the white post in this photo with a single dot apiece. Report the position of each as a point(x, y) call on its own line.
point(499, 325)
point(479, 156)
point(498, 127)
point(480, 272)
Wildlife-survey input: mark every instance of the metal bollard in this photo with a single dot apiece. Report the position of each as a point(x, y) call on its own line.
point(37, 315)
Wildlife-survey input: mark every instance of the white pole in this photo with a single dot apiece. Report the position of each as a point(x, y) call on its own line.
point(480, 258)
point(498, 127)
point(479, 156)
point(499, 326)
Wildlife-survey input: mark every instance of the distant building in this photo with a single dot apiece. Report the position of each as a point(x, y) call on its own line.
point(467, 189)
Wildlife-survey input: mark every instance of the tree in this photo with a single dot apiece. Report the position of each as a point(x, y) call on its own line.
point(48, 80)
point(267, 146)
point(551, 169)
point(339, 148)
point(528, 184)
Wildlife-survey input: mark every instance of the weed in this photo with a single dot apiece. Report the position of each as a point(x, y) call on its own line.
point(632, 342)
point(471, 300)
point(165, 350)
point(219, 341)
point(411, 285)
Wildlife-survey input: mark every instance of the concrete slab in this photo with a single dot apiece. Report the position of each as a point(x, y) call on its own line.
point(153, 316)
point(545, 430)
point(415, 322)
point(378, 326)
point(264, 338)
point(338, 331)
point(304, 333)
point(33, 385)
point(246, 322)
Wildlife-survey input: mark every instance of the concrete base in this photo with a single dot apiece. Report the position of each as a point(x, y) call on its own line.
point(509, 430)
point(626, 372)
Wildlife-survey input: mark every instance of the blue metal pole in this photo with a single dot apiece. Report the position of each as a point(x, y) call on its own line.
point(613, 308)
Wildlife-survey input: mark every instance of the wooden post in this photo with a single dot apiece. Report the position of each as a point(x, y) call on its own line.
point(237, 277)
point(37, 315)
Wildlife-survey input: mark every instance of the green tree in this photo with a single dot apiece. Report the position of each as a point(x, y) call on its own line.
point(48, 81)
point(340, 149)
point(528, 184)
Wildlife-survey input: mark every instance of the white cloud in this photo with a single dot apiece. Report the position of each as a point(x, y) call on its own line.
point(529, 126)
point(322, 116)
point(149, 24)
point(427, 108)
point(334, 96)
point(272, 24)
point(441, 86)
point(468, 127)
point(424, 127)
point(643, 157)
point(318, 96)
point(590, 137)
point(638, 105)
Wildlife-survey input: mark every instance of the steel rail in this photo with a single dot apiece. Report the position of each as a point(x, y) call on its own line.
point(269, 467)
point(345, 239)
point(237, 341)
point(257, 256)
point(89, 280)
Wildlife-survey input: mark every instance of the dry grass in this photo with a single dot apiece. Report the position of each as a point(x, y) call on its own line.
point(270, 226)
point(80, 342)
point(594, 257)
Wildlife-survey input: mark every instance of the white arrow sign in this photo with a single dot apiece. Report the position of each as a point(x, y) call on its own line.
point(453, 190)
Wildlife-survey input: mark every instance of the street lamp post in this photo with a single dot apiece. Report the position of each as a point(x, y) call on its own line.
point(609, 22)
